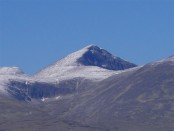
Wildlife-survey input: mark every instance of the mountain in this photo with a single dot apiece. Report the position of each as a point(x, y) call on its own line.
point(90, 62)
point(140, 99)
point(74, 73)
point(78, 93)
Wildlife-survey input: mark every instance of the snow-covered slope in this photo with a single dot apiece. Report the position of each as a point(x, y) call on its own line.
point(11, 71)
point(90, 62)
point(8, 74)
point(69, 72)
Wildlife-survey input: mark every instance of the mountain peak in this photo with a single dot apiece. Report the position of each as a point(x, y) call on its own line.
point(93, 55)
point(96, 56)
point(91, 46)
point(72, 59)
point(90, 62)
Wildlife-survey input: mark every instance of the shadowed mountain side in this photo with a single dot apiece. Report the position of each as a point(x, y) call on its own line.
point(139, 100)
point(38, 90)
point(96, 56)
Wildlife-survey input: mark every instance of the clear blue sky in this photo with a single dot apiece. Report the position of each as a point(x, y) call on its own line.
point(36, 33)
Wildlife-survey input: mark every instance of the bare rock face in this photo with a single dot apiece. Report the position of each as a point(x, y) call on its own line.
point(95, 56)
point(28, 90)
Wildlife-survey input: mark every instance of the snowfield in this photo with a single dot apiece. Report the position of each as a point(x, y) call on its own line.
point(69, 72)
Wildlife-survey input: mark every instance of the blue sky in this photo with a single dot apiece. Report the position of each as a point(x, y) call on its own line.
point(36, 33)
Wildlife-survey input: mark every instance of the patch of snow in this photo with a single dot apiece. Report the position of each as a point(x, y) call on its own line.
point(58, 97)
point(44, 99)
point(114, 57)
point(26, 83)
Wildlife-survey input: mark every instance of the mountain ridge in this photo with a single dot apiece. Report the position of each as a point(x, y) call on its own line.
point(67, 72)
point(134, 99)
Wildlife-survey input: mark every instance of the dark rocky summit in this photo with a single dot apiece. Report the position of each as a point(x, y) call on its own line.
point(96, 56)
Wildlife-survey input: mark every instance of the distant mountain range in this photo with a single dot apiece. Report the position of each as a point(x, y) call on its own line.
point(66, 75)
point(89, 90)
